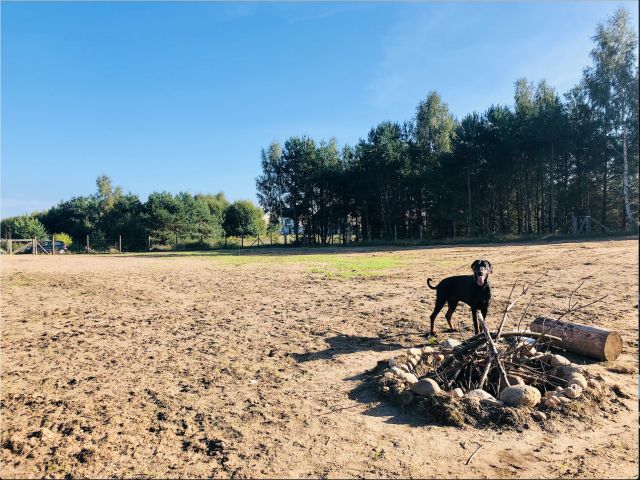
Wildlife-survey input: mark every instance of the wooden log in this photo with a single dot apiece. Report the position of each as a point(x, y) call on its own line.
point(594, 342)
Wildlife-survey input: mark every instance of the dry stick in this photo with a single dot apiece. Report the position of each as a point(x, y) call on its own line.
point(485, 373)
point(511, 305)
point(473, 455)
point(493, 349)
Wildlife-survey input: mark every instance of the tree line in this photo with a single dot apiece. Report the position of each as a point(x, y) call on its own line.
point(168, 219)
point(523, 169)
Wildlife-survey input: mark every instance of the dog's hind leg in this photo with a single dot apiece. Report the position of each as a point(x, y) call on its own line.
point(436, 310)
point(452, 304)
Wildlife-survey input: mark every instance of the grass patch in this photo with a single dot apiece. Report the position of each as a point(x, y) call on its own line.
point(331, 264)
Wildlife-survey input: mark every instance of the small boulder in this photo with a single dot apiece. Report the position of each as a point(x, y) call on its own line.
point(407, 397)
point(456, 393)
point(513, 380)
point(574, 391)
point(552, 402)
point(450, 343)
point(397, 371)
point(538, 415)
point(393, 362)
point(559, 361)
point(405, 368)
point(439, 358)
point(427, 350)
point(591, 383)
point(577, 379)
point(479, 394)
point(413, 362)
point(521, 395)
point(425, 387)
point(566, 371)
point(410, 378)
point(544, 357)
point(414, 352)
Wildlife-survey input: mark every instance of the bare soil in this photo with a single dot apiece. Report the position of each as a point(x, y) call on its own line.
point(256, 366)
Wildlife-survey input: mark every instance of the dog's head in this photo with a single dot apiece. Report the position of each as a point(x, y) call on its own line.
point(481, 270)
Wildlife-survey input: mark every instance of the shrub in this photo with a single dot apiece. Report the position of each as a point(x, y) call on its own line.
point(64, 238)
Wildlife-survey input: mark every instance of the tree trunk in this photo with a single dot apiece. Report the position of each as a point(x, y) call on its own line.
point(594, 342)
point(552, 194)
point(603, 216)
point(469, 203)
point(625, 178)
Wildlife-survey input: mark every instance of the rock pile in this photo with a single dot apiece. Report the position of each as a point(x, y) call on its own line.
point(537, 381)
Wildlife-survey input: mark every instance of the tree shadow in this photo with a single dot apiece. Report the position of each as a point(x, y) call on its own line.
point(342, 344)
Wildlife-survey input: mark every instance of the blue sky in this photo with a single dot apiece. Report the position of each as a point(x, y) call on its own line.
point(182, 96)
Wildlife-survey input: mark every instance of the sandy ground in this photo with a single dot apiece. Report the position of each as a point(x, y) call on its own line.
point(197, 366)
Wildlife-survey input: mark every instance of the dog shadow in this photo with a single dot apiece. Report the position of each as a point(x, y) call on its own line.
point(365, 392)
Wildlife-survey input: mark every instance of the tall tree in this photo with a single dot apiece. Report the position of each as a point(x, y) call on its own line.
point(613, 85)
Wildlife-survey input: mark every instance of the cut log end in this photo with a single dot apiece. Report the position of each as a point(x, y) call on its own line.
point(612, 346)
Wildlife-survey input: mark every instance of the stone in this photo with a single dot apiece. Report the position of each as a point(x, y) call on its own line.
point(566, 371)
point(549, 393)
point(413, 362)
point(479, 394)
point(513, 380)
point(552, 402)
point(393, 362)
point(407, 397)
point(538, 415)
point(427, 350)
point(564, 399)
point(414, 352)
point(405, 368)
point(559, 361)
point(410, 378)
point(491, 402)
point(591, 383)
point(450, 343)
point(577, 379)
point(425, 387)
point(574, 391)
point(439, 358)
point(545, 357)
point(456, 393)
point(397, 371)
point(521, 395)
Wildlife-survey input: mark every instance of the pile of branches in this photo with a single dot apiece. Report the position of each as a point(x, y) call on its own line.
point(492, 361)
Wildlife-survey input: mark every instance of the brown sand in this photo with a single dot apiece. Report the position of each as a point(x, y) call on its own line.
point(197, 366)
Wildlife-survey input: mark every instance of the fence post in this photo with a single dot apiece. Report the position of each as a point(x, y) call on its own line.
point(149, 241)
point(574, 224)
point(88, 246)
point(120, 243)
point(53, 244)
point(34, 247)
point(9, 246)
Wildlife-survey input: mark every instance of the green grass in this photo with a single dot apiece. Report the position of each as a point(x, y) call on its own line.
point(341, 265)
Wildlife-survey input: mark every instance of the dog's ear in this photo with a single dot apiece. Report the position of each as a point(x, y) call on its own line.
point(475, 264)
point(490, 266)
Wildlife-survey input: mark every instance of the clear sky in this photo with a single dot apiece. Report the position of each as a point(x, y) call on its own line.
point(182, 96)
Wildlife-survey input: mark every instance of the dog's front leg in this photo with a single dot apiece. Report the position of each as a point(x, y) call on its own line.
point(476, 324)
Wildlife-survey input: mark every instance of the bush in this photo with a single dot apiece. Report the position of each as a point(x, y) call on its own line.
point(64, 238)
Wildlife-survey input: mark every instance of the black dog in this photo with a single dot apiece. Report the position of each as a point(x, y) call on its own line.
point(474, 290)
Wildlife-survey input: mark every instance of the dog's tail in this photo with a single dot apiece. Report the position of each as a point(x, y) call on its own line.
point(429, 284)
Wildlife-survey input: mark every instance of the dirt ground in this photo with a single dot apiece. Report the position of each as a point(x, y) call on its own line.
point(177, 365)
